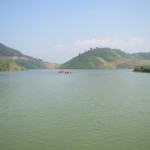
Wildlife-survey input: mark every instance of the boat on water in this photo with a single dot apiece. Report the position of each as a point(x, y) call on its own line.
point(65, 71)
point(61, 71)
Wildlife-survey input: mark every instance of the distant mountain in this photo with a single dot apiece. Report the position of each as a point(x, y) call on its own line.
point(7, 51)
point(51, 65)
point(11, 56)
point(107, 58)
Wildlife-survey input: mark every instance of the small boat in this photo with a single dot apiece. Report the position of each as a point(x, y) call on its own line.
point(61, 71)
point(68, 72)
point(65, 71)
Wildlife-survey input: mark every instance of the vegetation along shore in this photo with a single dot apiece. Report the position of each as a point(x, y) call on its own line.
point(142, 69)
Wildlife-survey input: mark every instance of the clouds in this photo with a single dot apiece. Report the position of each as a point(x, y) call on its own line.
point(124, 44)
point(131, 43)
point(65, 52)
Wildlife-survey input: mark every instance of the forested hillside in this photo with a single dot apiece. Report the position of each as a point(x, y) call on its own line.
point(107, 58)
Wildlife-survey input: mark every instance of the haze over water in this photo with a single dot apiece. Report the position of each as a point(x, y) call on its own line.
point(85, 110)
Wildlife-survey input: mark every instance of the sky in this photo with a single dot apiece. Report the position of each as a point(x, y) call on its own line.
point(57, 30)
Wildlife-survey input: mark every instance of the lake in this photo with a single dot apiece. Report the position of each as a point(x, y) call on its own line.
point(85, 110)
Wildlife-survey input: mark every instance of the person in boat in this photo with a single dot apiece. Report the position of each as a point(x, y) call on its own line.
point(61, 71)
point(68, 72)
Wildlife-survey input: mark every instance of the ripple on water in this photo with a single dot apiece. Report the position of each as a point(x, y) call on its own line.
point(88, 110)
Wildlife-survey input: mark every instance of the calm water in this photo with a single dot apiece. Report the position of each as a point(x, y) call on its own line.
point(87, 110)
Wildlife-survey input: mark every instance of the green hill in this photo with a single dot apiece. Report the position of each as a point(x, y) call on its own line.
point(7, 51)
point(145, 56)
point(106, 58)
point(9, 66)
point(11, 55)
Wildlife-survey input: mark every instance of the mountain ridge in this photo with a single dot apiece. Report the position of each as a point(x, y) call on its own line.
point(13, 57)
point(101, 58)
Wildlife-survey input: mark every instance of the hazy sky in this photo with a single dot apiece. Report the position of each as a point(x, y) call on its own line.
point(57, 30)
